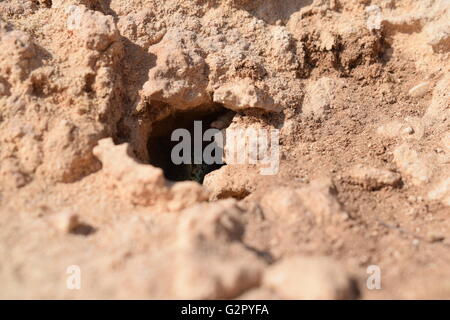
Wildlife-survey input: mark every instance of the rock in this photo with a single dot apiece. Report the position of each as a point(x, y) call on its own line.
point(141, 184)
point(185, 194)
point(391, 129)
point(213, 264)
point(96, 30)
point(142, 27)
point(438, 34)
point(327, 40)
point(419, 90)
point(18, 43)
point(408, 130)
point(229, 181)
point(68, 151)
point(439, 109)
point(441, 191)
point(69, 80)
point(243, 94)
point(11, 175)
point(215, 222)
point(430, 18)
point(248, 144)
point(204, 275)
point(65, 221)
point(320, 199)
point(282, 49)
point(57, 141)
point(412, 164)
point(17, 54)
point(313, 204)
point(434, 237)
point(373, 178)
point(284, 203)
point(179, 77)
point(144, 184)
point(312, 278)
point(374, 20)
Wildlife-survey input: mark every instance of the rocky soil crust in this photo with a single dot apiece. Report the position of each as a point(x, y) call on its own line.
point(359, 90)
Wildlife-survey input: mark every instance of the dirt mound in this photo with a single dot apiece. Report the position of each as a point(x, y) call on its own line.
point(355, 94)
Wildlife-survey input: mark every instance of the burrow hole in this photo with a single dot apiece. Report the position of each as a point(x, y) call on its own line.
point(159, 144)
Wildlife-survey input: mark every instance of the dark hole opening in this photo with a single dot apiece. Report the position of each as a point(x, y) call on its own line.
point(159, 144)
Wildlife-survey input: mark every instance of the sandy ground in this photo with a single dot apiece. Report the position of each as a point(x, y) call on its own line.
point(358, 90)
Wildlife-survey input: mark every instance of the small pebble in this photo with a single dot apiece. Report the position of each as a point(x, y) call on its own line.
point(65, 221)
point(433, 237)
point(419, 90)
point(408, 130)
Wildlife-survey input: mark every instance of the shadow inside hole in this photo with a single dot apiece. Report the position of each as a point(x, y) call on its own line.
point(160, 145)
